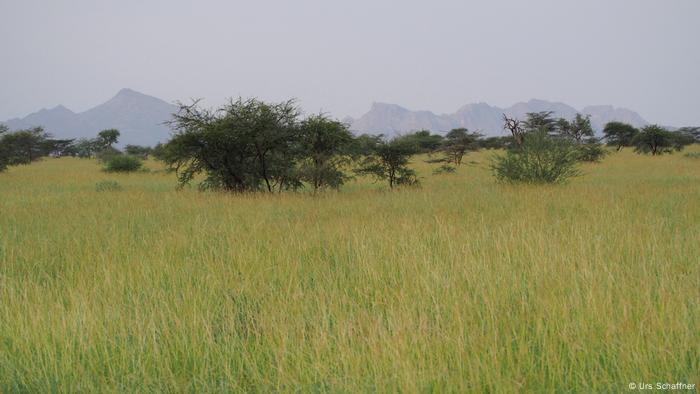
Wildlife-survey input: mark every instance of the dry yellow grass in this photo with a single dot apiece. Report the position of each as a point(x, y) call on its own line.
point(460, 285)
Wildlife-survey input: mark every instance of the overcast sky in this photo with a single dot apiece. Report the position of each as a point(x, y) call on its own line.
point(340, 57)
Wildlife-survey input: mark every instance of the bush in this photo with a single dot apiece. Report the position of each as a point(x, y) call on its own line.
point(107, 186)
point(123, 163)
point(591, 152)
point(107, 154)
point(692, 155)
point(540, 159)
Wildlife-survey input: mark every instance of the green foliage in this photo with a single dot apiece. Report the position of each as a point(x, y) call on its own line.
point(106, 154)
point(619, 134)
point(691, 131)
point(159, 152)
point(423, 141)
point(325, 144)
point(364, 145)
point(24, 146)
point(537, 121)
point(692, 155)
point(83, 148)
point(504, 142)
point(540, 159)
point(123, 163)
point(246, 145)
point(107, 138)
point(591, 151)
point(656, 140)
point(107, 186)
point(576, 129)
point(138, 151)
point(457, 143)
point(4, 152)
point(388, 160)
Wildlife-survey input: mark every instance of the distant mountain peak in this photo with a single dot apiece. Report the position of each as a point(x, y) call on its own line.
point(393, 119)
point(139, 117)
point(128, 92)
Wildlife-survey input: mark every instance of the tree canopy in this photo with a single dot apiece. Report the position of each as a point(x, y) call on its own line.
point(388, 161)
point(619, 134)
point(656, 140)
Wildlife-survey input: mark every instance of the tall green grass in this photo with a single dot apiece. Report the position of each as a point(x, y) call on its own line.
point(460, 285)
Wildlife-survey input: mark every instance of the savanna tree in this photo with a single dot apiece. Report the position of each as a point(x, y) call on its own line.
point(457, 143)
point(543, 120)
point(619, 134)
point(577, 129)
point(424, 141)
point(325, 146)
point(388, 161)
point(656, 140)
point(694, 132)
point(515, 127)
point(580, 132)
point(107, 138)
point(25, 146)
point(245, 145)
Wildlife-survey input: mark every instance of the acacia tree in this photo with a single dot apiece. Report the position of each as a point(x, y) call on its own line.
point(84, 148)
point(25, 146)
point(515, 127)
point(619, 134)
point(325, 145)
point(541, 121)
point(246, 145)
point(656, 140)
point(457, 143)
point(388, 160)
point(580, 132)
point(576, 129)
point(424, 141)
point(107, 138)
point(693, 132)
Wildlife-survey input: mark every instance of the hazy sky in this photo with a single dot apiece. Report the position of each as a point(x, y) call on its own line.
point(340, 57)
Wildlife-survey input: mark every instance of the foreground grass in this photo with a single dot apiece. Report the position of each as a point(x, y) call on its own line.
point(461, 285)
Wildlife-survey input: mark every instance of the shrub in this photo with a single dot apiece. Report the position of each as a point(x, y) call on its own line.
point(540, 159)
point(107, 154)
point(123, 163)
point(591, 152)
point(692, 155)
point(107, 186)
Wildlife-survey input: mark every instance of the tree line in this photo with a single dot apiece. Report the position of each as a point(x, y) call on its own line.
point(248, 145)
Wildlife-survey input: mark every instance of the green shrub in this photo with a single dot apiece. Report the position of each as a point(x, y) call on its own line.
point(540, 159)
point(107, 186)
point(692, 155)
point(591, 152)
point(123, 163)
point(107, 154)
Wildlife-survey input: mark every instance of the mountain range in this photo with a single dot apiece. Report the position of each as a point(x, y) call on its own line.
point(141, 118)
point(392, 119)
point(138, 117)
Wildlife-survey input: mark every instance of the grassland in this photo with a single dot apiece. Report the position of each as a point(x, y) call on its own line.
point(460, 285)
